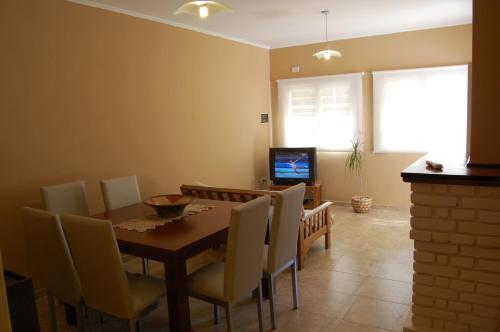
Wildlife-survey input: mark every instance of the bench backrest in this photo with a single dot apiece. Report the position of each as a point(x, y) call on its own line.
point(225, 194)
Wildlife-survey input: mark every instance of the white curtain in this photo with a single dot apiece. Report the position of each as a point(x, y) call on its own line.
point(421, 110)
point(324, 112)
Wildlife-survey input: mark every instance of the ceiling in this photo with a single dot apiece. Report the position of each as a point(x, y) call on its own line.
point(282, 23)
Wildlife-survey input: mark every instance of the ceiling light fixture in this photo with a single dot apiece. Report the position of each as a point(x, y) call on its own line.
point(327, 53)
point(202, 8)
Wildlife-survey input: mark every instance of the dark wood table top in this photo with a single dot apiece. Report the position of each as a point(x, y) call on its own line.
point(456, 174)
point(182, 237)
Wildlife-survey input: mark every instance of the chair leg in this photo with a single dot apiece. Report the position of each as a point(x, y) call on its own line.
point(81, 321)
point(52, 312)
point(145, 266)
point(259, 307)
point(295, 285)
point(216, 314)
point(229, 318)
point(270, 283)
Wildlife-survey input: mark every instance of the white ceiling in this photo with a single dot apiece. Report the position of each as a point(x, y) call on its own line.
point(281, 23)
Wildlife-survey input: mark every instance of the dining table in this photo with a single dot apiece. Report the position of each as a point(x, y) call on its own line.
point(172, 244)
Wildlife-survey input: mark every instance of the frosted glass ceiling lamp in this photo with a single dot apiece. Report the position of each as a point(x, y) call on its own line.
point(327, 53)
point(202, 8)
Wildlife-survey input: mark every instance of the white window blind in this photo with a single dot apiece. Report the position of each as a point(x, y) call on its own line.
point(324, 112)
point(421, 110)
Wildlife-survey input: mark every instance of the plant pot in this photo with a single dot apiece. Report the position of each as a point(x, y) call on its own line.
point(361, 204)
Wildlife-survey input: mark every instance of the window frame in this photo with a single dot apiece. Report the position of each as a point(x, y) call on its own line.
point(318, 81)
point(378, 147)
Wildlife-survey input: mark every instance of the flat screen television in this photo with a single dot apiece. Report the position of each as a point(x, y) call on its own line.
point(289, 166)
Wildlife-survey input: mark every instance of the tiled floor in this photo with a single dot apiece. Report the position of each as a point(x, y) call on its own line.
point(361, 284)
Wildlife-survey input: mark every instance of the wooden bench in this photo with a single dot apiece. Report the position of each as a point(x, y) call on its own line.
point(314, 224)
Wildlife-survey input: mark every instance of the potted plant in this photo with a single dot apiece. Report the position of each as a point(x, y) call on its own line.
point(354, 164)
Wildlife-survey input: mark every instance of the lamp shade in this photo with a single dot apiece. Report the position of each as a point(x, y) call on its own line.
point(202, 8)
point(327, 54)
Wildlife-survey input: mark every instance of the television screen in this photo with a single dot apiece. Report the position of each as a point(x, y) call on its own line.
point(288, 166)
point(291, 165)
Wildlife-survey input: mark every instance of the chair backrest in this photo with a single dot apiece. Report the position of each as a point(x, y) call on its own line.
point(120, 192)
point(245, 247)
point(285, 227)
point(4, 306)
point(97, 259)
point(66, 198)
point(48, 255)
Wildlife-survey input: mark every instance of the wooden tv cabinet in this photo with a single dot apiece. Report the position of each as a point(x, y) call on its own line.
point(312, 197)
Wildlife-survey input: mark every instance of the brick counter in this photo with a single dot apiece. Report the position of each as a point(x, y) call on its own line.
point(455, 225)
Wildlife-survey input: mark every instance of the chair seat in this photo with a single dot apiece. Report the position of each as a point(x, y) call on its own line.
point(208, 280)
point(145, 290)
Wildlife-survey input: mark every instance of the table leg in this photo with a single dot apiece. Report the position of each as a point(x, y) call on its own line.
point(177, 295)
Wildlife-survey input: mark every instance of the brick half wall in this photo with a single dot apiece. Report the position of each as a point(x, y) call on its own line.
point(456, 284)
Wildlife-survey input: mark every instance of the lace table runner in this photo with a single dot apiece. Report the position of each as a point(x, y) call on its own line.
point(153, 221)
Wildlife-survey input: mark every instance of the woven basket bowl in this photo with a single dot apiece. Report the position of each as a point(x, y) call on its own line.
point(168, 206)
point(361, 204)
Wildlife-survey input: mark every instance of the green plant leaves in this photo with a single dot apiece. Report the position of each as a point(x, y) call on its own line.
point(354, 161)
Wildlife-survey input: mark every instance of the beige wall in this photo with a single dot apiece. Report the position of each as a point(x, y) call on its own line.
point(485, 115)
point(434, 47)
point(90, 94)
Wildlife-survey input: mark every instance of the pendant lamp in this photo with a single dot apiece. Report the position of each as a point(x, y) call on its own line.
point(202, 8)
point(327, 53)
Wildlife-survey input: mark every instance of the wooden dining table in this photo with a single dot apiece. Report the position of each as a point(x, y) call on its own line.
point(173, 244)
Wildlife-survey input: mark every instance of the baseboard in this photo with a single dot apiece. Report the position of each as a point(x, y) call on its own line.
point(374, 206)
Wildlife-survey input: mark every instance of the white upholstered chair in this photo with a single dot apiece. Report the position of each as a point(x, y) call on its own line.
point(106, 287)
point(281, 253)
point(66, 198)
point(120, 192)
point(4, 306)
point(50, 261)
point(224, 284)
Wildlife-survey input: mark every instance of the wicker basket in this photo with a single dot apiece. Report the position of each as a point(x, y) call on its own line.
point(361, 204)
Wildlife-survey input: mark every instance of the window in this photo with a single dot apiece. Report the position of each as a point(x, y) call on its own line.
point(421, 110)
point(322, 112)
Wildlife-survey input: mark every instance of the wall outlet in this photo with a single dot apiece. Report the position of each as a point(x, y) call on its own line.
point(263, 183)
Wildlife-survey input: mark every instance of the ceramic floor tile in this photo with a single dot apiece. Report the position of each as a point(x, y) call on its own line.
point(345, 326)
point(319, 300)
point(333, 281)
point(393, 271)
point(357, 265)
point(300, 320)
point(386, 315)
point(386, 290)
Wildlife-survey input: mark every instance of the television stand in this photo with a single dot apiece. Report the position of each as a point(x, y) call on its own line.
point(312, 196)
